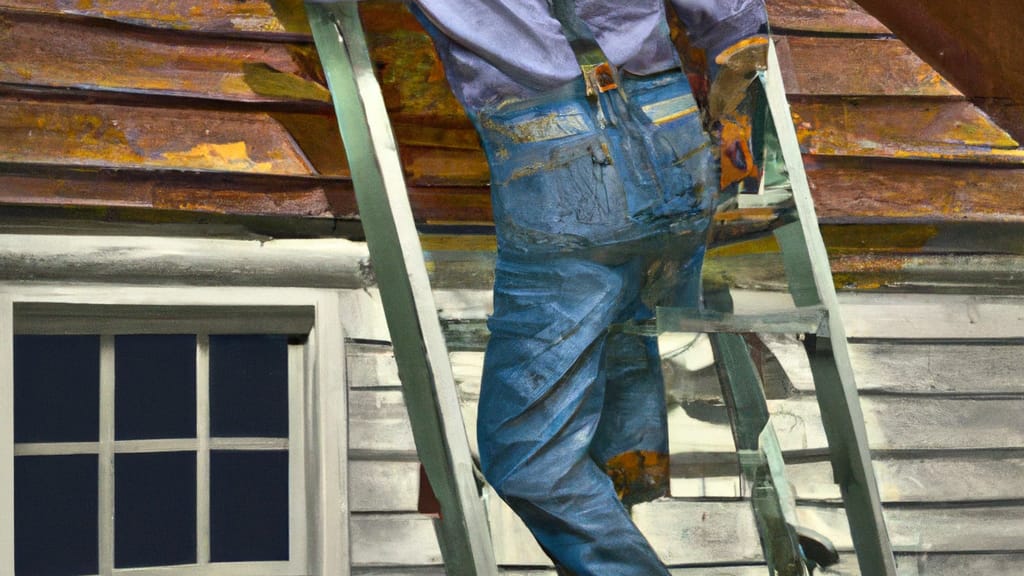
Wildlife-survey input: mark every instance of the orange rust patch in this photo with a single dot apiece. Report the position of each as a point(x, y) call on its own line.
point(874, 238)
point(639, 476)
point(229, 156)
point(763, 245)
point(737, 160)
point(742, 46)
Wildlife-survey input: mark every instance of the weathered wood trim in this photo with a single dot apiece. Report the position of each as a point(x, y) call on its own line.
point(202, 448)
point(46, 318)
point(150, 446)
point(6, 434)
point(107, 438)
point(217, 569)
point(299, 501)
point(320, 263)
point(330, 537)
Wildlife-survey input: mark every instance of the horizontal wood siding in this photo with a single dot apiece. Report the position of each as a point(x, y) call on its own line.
point(942, 416)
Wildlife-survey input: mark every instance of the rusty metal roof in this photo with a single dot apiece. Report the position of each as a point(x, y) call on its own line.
point(185, 111)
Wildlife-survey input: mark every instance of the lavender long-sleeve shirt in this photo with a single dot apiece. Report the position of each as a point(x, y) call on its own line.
point(496, 49)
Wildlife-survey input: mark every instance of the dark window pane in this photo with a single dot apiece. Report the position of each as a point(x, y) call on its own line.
point(56, 388)
point(248, 506)
point(249, 386)
point(155, 383)
point(55, 515)
point(155, 509)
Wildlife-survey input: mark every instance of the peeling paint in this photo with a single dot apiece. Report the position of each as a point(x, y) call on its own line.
point(229, 156)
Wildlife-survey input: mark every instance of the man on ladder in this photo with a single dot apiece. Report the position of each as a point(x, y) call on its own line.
point(603, 186)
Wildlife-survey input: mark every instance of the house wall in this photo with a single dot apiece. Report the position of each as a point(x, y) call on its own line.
point(219, 113)
point(942, 416)
point(212, 119)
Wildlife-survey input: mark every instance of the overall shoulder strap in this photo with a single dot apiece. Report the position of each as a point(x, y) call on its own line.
point(600, 75)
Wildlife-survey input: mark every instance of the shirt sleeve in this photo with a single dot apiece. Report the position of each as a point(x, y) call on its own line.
point(714, 25)
point(519, 37)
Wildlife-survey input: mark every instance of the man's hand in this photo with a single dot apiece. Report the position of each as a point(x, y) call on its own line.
point(737, 68)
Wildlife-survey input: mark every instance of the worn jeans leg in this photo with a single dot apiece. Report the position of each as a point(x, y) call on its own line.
point(631, 442)
point(541, 400)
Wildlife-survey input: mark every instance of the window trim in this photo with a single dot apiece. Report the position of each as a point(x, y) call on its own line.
point(322, 541)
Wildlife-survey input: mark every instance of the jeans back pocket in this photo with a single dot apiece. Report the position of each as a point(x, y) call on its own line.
point(562, 194)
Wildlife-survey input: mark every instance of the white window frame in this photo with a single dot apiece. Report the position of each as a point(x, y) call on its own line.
point(318, 494)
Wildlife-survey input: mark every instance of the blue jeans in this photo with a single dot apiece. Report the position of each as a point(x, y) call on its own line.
point(602, 211)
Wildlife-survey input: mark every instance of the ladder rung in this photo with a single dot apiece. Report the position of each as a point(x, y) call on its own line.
point(804, 320)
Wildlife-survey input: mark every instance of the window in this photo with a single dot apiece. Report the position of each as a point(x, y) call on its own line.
point(186, 438)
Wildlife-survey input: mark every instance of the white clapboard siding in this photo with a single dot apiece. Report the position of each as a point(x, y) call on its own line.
point(932, 479)
point(916, 367)
point(891, 366)
point(438, 571)
point(945, 417)
point(959, 564)
point(396, 539)
point(379, 422)
point(702, 532)
point(677, 528)
point(907, 565)
point(383, 485)
point(881, 315)
point(393, 486)
point(865, 315)
point(371, 366)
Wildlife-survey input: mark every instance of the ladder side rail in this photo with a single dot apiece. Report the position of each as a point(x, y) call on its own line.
point(760, 460)
point(810, 278)
point(419, 346)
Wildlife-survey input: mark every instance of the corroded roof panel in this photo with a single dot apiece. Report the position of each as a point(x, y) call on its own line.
point(221, 108)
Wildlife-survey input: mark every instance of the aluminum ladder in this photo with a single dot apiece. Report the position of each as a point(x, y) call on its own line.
point(817, 319)
point(417, 339)
point(425, 371)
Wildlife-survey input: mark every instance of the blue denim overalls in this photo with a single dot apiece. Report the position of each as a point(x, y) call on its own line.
point(602, 207)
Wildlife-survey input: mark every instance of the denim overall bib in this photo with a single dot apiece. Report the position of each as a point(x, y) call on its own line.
point(602, 204)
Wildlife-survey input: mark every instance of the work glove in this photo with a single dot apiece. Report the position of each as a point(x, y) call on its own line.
point(729, 114)
point(737, 68)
